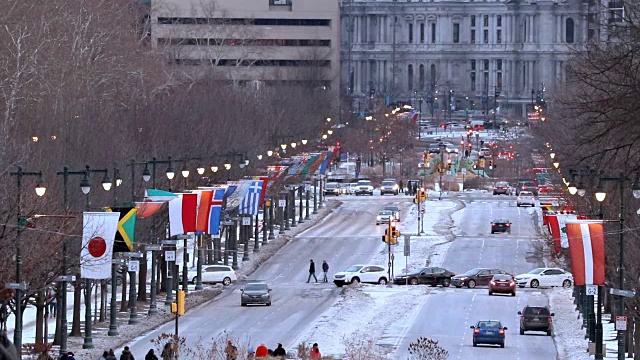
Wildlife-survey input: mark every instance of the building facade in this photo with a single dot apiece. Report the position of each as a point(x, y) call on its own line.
point(428, 52)
point(252, 40)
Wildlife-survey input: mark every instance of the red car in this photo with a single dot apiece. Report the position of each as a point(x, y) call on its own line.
point(502, 283)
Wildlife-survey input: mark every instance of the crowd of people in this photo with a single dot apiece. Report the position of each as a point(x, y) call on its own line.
point(261, 352)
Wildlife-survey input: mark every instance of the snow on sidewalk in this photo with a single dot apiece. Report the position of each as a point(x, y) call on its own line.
point(568, 333)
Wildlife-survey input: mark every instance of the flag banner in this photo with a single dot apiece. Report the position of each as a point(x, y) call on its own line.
point(251, 202)
point(182, 214)
point(562, 224)
point(586, 247)
point(98, 234)
point(148, 208)
point(159, 195)
point(215, 212)
point(125, 236)
point(326, 162)
point(265, 181)
point(309, 164)
point(554, 230)
point(204, 206)
point(319, 161)
point(235, 199)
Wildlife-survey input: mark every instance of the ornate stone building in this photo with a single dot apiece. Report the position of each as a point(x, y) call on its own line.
point(471, 50)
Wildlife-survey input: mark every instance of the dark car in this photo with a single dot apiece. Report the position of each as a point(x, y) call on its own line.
point(501, 187)
point(389, 187)
point(433, 149)
point(488, 332)
point(331, 188)
point(429, 275)
point(255, 293)
point(536, 318)
point(475, 277)
point(500, 225)
point(502, 283)
point(395, 210)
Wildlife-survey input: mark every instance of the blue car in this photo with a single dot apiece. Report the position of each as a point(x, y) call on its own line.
point(488, 332)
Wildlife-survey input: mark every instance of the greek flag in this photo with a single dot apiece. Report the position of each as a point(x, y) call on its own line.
point(251, 202)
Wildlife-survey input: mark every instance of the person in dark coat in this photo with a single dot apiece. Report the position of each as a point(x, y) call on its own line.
point(167, 352)
point(312, 271)
point(279, 351)
point(7, 350)
point(325, 269)
point(71, 356)
point(126, 354)
point(112, 355)
point(150, 356)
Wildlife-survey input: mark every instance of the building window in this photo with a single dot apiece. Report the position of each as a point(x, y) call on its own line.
point(499, 20)
point(433, 33)
point(485, 35)
point(433, 75)
point(499, 64)
point(486, 65)
point(456, 33)
point(569, 35)
point(410, 33)
point(473, 36)
point(473, 20)
point(499, 81)
point(421, 77)
point(485, 21)
point(499, 36)
point(410, 77)
point(473, 81)
point(486, 80)
point(422, 33)
point(473, 65)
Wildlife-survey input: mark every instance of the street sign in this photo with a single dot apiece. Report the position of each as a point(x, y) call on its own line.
point(624, 293)
point(464, 171)
point(282, 203)
point(621, 323)
point(170, 255)
point(134, 265)
point(16, 286)
point(407, 245)
point(184, 237)
point(215, 236)
point(246, 220)
point(153, 247)
point(135, 255)
point(226, 223)
point(448, 172)
point(592, 290)
point(67, 278)
point(169, 242)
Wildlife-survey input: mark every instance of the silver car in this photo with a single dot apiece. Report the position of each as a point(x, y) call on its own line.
point(255, 293)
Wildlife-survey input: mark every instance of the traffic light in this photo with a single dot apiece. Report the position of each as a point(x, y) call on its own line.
point(174, 307)
point(394, 234)
point(490, 164)
point(422, 196)
point(449, 164)
point(387, 235)
point(180, 300)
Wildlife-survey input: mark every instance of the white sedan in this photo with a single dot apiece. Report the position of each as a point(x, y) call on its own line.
point(375, 274)
point(526, 198)
point(545, 277)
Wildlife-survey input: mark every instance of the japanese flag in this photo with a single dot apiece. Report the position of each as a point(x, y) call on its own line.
point(98, 234)
point(586, 247)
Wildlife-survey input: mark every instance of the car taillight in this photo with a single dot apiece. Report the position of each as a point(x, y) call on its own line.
point(549, 319)
point(501, 332)
point(493, 224)
point(493, 282)
point(476, 331)
point(508, 224)
point(511, 283)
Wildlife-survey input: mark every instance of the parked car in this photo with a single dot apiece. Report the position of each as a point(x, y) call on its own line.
point(488, 332)
point(214, 274)
point(375, 274)
point(526, 198)
point(428, 275)
point(352, 188)
point(395, 210)
point(501, 187)
point(502, 283)
point(501, 225)
point(536, 318)
point(384, 216)
point(389, 187)
point(545, 277)
point(255, 293)
point(365, 187)
point(475, 277)
point(331, 188)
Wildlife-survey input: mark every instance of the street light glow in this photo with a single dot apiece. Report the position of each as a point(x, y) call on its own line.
point(200, 169)
point(259, 156)
point(269, 152)
point(40, 189)
point(214, 168)
point(304, 141)
point(283, 146)
point(556, 164)
point(553, 155)
point(293, 145)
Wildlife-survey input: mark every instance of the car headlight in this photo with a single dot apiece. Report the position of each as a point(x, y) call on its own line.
point(378, 218)
point(381, 187)
point(395, 187)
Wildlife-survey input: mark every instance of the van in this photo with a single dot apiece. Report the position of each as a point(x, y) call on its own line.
point(476, 125)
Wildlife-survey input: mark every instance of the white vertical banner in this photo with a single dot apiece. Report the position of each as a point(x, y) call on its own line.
point(98, 234)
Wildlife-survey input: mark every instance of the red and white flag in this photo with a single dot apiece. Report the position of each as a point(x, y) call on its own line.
point(182, 214)
point(98, 235)
point(586, 247)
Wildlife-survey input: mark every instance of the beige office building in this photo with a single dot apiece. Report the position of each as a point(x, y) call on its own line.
point(252, 40)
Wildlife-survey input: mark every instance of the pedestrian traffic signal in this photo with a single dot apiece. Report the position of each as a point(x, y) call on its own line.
point(422, 196)
point(174, 308)
point(180, 302)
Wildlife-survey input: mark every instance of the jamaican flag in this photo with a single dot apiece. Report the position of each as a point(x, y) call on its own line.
point(126, 229)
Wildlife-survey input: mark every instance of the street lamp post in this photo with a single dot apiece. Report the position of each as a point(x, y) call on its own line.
point(40, 190)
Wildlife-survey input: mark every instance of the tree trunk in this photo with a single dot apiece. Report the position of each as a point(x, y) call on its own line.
point(163, 275)
point(103, 300)
point(629, 334)
point(209, 251)
point(142, 279)
point(46, 322)
point(56, 336)
point(40, 319)
point(636, 343)
point(77, 298)
point(123, 302)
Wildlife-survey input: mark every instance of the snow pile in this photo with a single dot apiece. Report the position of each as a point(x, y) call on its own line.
point(568, 333)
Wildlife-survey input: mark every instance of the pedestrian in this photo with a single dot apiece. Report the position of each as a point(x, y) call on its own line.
point(126, 354)
point(112, 355)
point(64, 356)
point(53, 305)
point(312, 271)
point(251, 353)
point(231, 351)
point(325, 269)
point(150, 356)
point(167, 352)
point(3, 317)
point(262, 351)
point(105, 355)
point(71, 356)
point(315, 352)
point(279, 351)
point(401, 187)
point(7, 350)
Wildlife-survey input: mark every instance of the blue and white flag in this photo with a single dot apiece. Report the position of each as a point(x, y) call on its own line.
point(251, 202)
point(215, 212)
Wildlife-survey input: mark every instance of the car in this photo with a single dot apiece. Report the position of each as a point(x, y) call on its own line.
point(331, 188)
point(475, 277)
point(433, 149)
point(502, 283)
point(214, 274)
point(526, 186)
point(365, 187)
point(450, 148)
point(488, 332)
point(500, 225)
point(501, 187)
point(526, 198)
point(484, 152)
point(255, 293)
point(536, 318)
point(389, 187)
point(352, 188)
point(545, 277)
point(395, 210)
point(375, 274)
point(384, 216)
point(427, 275)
